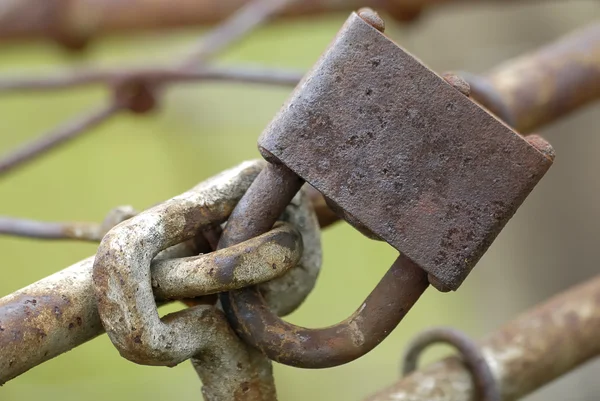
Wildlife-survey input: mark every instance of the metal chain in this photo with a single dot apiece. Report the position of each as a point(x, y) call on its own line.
point(270, 273)
point(60, 312)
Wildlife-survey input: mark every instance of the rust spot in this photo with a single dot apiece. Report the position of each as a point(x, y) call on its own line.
point(285, 239)
point(226, 271)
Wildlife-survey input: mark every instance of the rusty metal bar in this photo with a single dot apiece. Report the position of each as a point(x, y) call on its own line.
point(73, 23)
point(545, 85)
point(59, 312)
point(229, 369)
point(542, 344)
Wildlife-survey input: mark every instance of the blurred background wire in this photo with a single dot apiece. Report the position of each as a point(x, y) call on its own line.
point(203, 128)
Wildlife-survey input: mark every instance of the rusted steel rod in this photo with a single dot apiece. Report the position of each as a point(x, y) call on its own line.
point(542, 344)
point(57, 313)
point(543, 86)
point(73, 23)
point(85, 231)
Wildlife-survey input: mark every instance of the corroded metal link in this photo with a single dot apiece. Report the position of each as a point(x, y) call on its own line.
point(123, 286)
point(122, 281)
point(261, 259)
point(248, 376)
point(485, 383)
point(228, 368)
point(341, 343)
point(400, 288)
point(59, 312)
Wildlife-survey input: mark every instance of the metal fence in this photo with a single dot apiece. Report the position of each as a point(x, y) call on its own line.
point(61, 312)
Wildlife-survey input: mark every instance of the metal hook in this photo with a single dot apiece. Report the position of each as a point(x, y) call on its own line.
point(483, 377)
point(286, 343)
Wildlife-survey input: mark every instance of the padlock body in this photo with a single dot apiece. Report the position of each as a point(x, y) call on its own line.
point(404, 153)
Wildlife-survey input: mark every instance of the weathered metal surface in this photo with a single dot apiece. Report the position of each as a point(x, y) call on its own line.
point(122, 282)
point(122, 268)
point(228, 358)
point(543, 86)
point(265, 200)
point(286, 293)
point(47, 318)
point(248, 263)
point(410, 159)
point(335, 345)
point(230, 370)
point(72, 23)
point(324, 213)
point(485, 386)
point(59, 312)
point(258, 325)
point(542, 344)
point(458, 83)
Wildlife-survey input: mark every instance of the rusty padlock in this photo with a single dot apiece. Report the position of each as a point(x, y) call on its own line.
point(400, 154)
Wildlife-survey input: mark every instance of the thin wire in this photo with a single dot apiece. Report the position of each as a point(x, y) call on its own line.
point(238, 25)
point(50, 230)
point(57, 137)
point(73, 78)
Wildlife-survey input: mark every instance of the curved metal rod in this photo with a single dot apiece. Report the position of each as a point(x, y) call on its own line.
point(121, 274)
point(123, 285)
point(485, 383)
point(286, 343)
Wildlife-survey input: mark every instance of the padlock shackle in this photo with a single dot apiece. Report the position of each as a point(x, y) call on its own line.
point(296, 346)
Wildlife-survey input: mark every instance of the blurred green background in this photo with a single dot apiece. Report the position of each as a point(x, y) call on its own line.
point(203, 128)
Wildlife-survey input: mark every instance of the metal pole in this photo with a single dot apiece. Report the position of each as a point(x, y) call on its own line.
point(73, 23)
point(532, 350)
